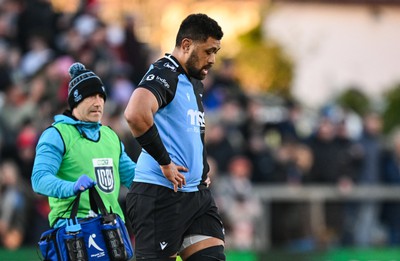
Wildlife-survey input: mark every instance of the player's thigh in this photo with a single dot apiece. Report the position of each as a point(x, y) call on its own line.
point(156, 220)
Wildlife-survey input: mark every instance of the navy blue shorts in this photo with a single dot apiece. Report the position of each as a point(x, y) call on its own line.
point(161, 218)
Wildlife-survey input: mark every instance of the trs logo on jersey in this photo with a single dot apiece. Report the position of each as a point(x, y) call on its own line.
point(103, 169)
point(196, 118)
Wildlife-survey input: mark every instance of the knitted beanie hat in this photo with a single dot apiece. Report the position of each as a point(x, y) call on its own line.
point(83, 83)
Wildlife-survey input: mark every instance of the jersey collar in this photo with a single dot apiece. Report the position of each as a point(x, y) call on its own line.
point(176, 63)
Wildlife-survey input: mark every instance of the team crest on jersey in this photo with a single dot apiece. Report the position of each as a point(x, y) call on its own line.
point(103, 169)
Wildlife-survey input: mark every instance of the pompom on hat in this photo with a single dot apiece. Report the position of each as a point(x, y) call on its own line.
point(83, 83)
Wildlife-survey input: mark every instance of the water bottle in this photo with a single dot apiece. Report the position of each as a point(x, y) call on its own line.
point(112, 236)
point(75, 242)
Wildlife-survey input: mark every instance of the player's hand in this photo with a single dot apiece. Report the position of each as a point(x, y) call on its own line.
point(208, 181)
point(83, 183)
point(173, 174)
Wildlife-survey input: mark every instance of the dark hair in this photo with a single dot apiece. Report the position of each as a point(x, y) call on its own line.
point(198, 27)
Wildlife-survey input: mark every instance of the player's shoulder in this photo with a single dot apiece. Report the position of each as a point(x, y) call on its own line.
point(166, 64)
point(163, 72)
point(165, 68)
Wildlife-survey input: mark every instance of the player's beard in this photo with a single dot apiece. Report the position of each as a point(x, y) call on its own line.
point(193, 71)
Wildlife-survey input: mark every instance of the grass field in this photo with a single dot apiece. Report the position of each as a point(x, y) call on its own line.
point(32, 254)
point(381, 254)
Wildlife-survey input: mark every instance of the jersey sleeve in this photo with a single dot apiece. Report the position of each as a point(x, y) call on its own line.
point(162, 83)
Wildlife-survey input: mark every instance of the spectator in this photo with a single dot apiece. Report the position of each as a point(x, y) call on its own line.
point(218, 145)
point(26, 144)
point(290, 221)
point(239, 207)
point(327, 170)
point(38, 54)
point(368, 231)
point(134, 52)
point(5, 68)
point(257, 148)
point(294, 161)
point(225, 86)
point(18, 106)
point(36, 19)
point(14, 203)
point(391, 176)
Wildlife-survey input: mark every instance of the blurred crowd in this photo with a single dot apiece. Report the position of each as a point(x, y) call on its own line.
point(251, 138)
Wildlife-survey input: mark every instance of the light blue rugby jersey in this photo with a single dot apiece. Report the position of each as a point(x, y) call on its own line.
point(180, 122)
